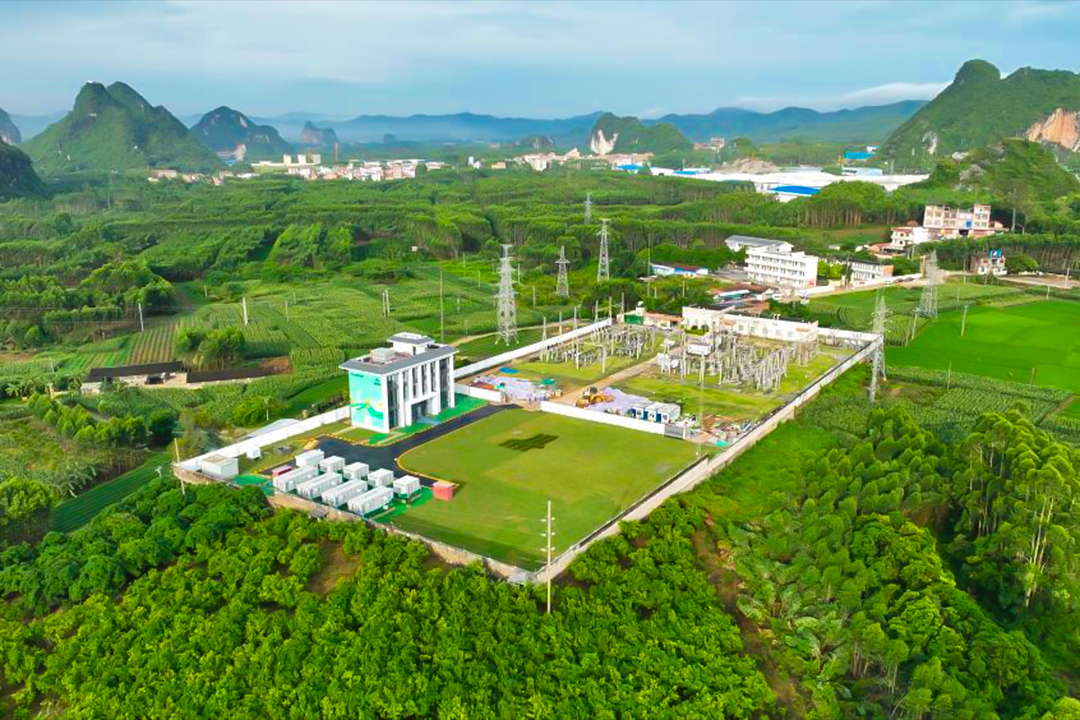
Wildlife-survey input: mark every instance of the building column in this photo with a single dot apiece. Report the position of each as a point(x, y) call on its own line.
point(404, 413)
point(436, 386)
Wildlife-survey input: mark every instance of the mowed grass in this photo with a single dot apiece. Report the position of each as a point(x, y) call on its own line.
point(482, 348)
point(74, 513)
point(589, 471)
point(571, 378)
point(1004, 343)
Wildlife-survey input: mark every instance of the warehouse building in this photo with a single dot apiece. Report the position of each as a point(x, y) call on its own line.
point(396, 386)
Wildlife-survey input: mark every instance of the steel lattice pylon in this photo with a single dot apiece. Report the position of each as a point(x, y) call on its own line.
point(588, 208)
point(881, 313)
point(562, 284)
point(603, 269)
point(928, 302)
point(505, 307)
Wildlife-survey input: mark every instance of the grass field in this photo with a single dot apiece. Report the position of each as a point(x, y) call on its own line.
point(726, 401)
point(571, 378)
point(589, 471)
point(74, 513)
point(317, 394)
point(1004, 343)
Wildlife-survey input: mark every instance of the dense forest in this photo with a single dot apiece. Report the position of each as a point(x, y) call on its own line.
point(893, 576)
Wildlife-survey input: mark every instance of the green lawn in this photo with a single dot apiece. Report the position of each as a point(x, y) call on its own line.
point(745, 491)
point(589, 471)
point(316, 394)
point(76, 512)
point(1004, 343)
point(571, 378)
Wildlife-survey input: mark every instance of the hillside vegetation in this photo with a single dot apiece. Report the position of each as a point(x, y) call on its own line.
point(864, 124)
point(628, 134)
point(1025, 171)
point(230, 133)
point(981, 108)
point(9, 133)
point(115, 128)
point(17, 176)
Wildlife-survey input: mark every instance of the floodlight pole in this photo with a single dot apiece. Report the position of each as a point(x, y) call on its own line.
point(547, 537)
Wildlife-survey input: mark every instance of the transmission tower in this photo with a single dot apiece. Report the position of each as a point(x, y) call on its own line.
point(603, 269)
point(562, 284)
point(878, 359)
point(928, 302)
point(588, 208)
point(506, 309)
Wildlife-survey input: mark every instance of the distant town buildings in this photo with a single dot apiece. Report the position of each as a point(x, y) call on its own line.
point(716, 144)
point(665, 269)
point(744, 242)
point(990, 264)
point(941, 222)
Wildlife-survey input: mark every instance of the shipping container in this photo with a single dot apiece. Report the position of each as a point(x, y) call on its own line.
point(314, 488)
point(371, 501)
point(406, 485)
point(289, 481)
point(356, 471)
point(311, 458)
point(337, 496)
point(381, 478)
point(332, 464)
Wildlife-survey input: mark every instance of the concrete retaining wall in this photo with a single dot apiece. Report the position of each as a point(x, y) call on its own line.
point(602, 417)
point(527, 350)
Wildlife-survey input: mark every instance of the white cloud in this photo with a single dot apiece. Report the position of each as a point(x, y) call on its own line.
point(877, 95)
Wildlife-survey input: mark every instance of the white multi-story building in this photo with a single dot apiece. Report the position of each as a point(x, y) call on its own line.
point(398, 385)
point(794, 270)
point(868, 271)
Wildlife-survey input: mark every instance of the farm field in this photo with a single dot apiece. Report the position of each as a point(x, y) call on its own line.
point(589, 471)
point(1004, 343)
point(488, 346)
point(74, 513)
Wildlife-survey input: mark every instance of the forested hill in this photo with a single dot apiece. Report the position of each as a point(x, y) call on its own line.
point(464, 127)
point(9, 133)
point(115, 128)
point(17, 176)
point(312, 136)
point(628, 134)
point(863, 124)
point(981, 108)
point(230, 133)
point(1023, 171)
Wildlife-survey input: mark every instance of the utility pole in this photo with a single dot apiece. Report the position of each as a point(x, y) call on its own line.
point(548, 548)
point(588, 208)
point(963, 321)
point(245, 311)
point(534, 297)
point(386, 302)
point(442, 326)
point(142, 327)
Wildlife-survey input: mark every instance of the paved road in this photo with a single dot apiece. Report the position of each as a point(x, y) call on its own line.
point(386, 456)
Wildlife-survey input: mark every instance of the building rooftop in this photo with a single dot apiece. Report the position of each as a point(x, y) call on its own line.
point(796, 189)
point(753, 241)
point(410, 338)
point(397, 361)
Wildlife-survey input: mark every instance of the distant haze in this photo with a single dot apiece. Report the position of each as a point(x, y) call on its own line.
point(529, 59)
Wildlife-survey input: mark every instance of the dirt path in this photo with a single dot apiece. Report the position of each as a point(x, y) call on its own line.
point(727, 584)
point(571, 398)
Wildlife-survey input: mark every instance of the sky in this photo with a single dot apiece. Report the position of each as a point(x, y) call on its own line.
point(527, 58)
